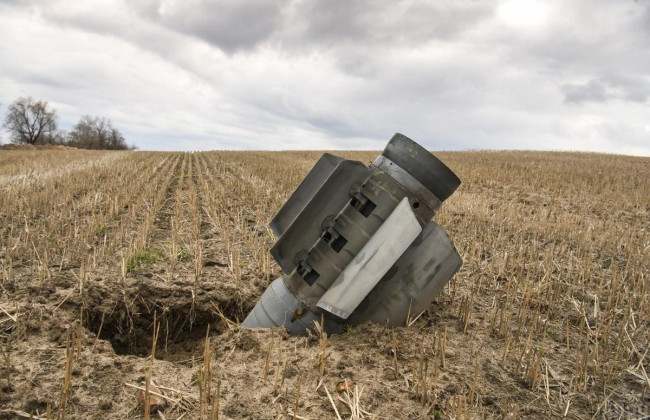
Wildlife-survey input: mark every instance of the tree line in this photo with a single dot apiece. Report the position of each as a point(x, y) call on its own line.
point(31, 121)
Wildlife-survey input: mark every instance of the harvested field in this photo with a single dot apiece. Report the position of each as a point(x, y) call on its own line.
point(104, 253)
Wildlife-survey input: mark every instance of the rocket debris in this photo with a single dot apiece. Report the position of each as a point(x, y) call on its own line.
point(357, 243)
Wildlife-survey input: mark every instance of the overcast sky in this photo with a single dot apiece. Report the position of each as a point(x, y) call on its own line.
point(338, 74)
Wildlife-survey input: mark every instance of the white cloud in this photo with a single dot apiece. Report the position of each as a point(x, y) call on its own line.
point(333, 74)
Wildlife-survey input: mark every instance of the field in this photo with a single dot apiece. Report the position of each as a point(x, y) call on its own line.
point(104, 253)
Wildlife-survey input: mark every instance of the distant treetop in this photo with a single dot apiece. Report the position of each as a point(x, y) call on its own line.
point(96, 133)
point(30, 121)
point(33, 122)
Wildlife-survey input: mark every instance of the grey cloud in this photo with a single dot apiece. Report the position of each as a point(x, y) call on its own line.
point(300, 27)
point(596, 37)
point(625, 88)
point(360, 37)
point(644, 22)
point(231, 25)
point(325, 74)
point(371, 22)
point(592, 91)
point(631, 88)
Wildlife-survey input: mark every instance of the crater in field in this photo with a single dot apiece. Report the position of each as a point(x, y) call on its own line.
point(183, 321)
point(181, 332)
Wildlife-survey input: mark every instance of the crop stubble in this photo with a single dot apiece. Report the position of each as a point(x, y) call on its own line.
point(547, 317)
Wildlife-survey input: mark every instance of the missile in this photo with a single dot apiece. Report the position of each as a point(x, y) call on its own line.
point(357, 244)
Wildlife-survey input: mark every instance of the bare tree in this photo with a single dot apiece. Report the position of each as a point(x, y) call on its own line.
point(97, 133)
point(58, 137)
point(30, 121)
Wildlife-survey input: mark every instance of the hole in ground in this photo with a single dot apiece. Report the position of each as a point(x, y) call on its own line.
point(183, 326)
